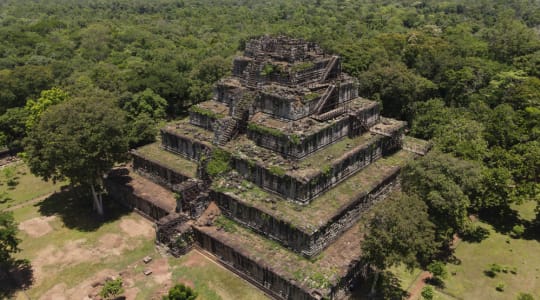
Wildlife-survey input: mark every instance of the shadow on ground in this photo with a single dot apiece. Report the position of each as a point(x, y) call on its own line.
point(74, 207)
point(388, 287)
point(15, 276)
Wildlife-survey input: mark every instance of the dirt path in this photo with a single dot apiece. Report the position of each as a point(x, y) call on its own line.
point(416, 288)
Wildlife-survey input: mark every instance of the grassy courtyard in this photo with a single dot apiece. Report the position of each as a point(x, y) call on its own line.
point(25, 187)
point(72, 252)
point(519, 259)
point(520, 256)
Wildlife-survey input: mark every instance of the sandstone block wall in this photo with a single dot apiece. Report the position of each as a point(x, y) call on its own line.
point(187, 147)
point(294, 238)
point(303, 145)
point(259, 272)
point(301, 190)
point(201, 120)
point(157, 172)
point(124, 194)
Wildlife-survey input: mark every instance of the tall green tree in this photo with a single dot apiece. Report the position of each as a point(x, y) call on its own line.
point(399, 231)
point(81, 140)
point(449, 187)
point(13, 127)
point(46, 99)
point(9, 243)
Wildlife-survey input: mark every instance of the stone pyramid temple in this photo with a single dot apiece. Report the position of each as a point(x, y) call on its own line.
point(273, 175)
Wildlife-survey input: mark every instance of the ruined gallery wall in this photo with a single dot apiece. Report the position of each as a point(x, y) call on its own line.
point(294, 238)
point(157, 172)
point(349, 215)
point(298, 147)
point(124, 195)
point(272, 282)
point(185, 146)
point(256, 219)
point(201, 120)
point(347, 90)
point(282, 107)
point(277, 181)
point(239, 66)
point(226, 94)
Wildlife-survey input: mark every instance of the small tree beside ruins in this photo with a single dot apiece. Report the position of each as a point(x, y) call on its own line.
point(81, 140)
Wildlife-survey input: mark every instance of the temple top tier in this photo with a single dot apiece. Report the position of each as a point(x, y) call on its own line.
point(282, 48)
point(285, 61)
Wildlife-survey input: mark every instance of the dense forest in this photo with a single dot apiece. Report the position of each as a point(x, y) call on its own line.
point(464, 74)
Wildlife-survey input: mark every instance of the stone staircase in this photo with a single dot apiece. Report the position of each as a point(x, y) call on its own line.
point(225, 131)
point(329, 68)
point(253, 70)
point(329, 91)
point(330, 114)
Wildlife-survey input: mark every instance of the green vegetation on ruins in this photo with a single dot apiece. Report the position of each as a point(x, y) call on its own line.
point(464, 74)
point(265, 130)
point(320, 272)
point(205, 112)
point(177, 163)
point(310, 217)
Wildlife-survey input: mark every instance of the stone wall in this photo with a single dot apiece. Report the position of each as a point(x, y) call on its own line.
point(347, 90)
point(273, 228)
point(202, 120)
point(298, 147)
point(157, 172)
point(302, 189)
point(185, 146)
point(283, 106)
point(124, 195)
point(279, 287)
point(349, 215)
point(291, 237)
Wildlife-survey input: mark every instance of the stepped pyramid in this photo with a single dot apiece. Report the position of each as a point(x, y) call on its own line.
point(273, 174)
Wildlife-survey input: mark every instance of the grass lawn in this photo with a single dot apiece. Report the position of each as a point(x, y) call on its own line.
point(468, 280)
point(211, 280)
point(406, 277)
point(28, 186)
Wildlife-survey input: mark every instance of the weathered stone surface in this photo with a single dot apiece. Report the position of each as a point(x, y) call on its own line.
point(280, 165)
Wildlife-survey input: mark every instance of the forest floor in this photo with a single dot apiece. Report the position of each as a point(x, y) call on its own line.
point(519, 259)
point(72, 253)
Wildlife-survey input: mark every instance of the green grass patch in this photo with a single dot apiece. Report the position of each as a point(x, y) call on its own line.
point(406, 277)
point(219, 163)
point(210, 280)
point(205, 112)
point(265, 130)
point(27, 188)
point(471, 279)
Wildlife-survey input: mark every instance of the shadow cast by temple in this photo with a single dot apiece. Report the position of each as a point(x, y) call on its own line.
point(74, 207)
point(15, 276)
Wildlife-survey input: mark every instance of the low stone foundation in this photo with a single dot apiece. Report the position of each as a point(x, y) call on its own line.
point(132, 191)
point(258, 271)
